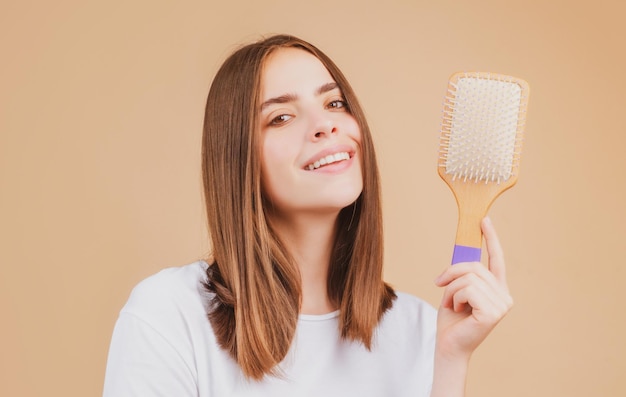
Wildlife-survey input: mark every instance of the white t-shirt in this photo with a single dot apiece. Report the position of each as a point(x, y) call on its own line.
point(163, 345)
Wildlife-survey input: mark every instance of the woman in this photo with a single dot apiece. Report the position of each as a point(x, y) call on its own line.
point(292, 302)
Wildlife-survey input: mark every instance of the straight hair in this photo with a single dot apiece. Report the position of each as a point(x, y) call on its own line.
point(254, 282)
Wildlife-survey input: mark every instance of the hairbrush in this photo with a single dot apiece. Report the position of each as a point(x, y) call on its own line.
point(480, 147)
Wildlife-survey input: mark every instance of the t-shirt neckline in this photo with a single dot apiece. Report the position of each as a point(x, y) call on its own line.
point(318, 317)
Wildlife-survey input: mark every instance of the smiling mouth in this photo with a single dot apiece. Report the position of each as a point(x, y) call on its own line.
point(330, 159)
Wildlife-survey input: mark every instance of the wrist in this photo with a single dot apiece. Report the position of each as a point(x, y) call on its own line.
point(450, 374)
point(454, 355)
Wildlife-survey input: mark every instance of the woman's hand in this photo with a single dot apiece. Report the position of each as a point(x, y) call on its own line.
point(475, 299)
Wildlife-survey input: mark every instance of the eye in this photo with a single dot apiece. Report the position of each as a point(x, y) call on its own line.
point(280, 119)
point(337, 104)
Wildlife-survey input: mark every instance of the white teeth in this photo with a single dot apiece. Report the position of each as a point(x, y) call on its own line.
point(331, 158)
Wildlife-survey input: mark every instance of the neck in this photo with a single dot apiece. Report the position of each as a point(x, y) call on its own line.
point(309, 239)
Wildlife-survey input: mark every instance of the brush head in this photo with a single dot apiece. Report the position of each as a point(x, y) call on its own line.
point(482, 127)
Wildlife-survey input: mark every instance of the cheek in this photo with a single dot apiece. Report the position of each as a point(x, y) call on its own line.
point(276, 156)
point(355, 134)
point(353, 129)
point(267, 166)
point(276, 163)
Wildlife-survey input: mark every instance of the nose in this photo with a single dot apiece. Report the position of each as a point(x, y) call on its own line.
point(323, 128)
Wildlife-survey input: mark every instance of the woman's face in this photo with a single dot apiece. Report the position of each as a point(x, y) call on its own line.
point(310, 142)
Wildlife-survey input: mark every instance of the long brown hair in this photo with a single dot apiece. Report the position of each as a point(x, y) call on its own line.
point(255, 282)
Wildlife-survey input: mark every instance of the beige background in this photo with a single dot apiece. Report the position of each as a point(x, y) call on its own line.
point(101, 106)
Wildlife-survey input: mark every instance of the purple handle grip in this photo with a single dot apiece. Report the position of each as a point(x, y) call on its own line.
point(463, 253)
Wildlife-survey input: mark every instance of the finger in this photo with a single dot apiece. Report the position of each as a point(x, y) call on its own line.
point(485, 308)
point(475, 277)
point(494, 249)
point(472, 286)
point(458, 287)
point(451, 273)
point(469, 299)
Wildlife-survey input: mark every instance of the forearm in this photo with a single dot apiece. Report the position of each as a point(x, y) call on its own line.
point(449, 376)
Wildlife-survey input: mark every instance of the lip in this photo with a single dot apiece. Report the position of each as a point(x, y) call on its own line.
point(331, 150)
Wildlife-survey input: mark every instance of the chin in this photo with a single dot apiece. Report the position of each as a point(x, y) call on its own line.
point(341, 200)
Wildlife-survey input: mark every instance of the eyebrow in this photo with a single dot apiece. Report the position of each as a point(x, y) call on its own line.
point(286, 98)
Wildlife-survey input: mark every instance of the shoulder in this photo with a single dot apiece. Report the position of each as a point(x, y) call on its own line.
point(412, 307)
point(162, 323)
point(188, 275)
point(410, 315)
point(171, 280)
point(172, 290)
point(406, 338)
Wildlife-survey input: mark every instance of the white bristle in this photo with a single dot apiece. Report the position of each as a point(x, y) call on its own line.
point(480, 124)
